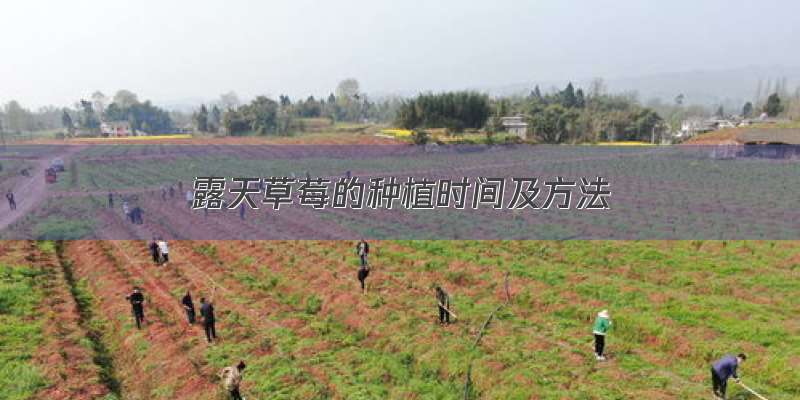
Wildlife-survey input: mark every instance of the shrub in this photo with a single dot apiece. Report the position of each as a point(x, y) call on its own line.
point(313, 304)
point(421, 138)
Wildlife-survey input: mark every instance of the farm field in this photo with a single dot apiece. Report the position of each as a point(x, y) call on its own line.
point(657, 193)
point(293, 311)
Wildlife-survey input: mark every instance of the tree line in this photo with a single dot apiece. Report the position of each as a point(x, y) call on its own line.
point(569, 115)
point(266, 116)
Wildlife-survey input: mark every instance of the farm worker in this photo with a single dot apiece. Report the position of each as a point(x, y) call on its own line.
point(180, 186)
point(362, 249)
point(232, 378)
point(188, 305)
point(163, 193)
point(189, 198)
point(163, 248)
point(126, 210)
point(137, 304)
point(601, 325)
point(110, 200)
point(136, 215)
point(724, 369)
point(207, 312)
point(363, 273)
point(12, 204)
point(171, 192)
point(348, 175)
point(154, 251)
point(443, 300)
point(241, 211)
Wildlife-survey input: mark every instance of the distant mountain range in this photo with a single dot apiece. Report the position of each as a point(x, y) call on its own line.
point(705, 87)
point(730, 87)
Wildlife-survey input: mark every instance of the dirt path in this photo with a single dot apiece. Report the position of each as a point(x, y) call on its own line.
point(30, 191)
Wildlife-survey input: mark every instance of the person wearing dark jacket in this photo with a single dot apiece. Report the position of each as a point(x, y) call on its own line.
point(12, 204)
point(137, 304)
point(443, 300)
point(110, 200)
point(188, 305)
point(363, 273)
point(724, 369)
point(137, 215)
point(153, 246)
point(207, 312)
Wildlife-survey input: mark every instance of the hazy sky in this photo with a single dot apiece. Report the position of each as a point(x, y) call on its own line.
point(54, 52)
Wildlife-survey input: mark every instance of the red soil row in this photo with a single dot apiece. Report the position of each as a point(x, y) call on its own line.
point(165, 353)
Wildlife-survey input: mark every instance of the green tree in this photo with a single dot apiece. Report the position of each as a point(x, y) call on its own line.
point(536, 94)
point(66, 121)
point(580, 99)
point(229, 101)
point(773, 106)
point(18, 119)
point(568, 98)
point(747, 110)
point(125, 98)
point(347, 89)
point(453, 110)
point(216, 119)
point(201, 119)
point(262, 116)
point(89, 119)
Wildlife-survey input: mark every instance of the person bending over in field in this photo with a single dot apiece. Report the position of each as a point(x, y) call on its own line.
point(188, 305)
point(601, 325)
point(137, 305)
point(722, 370)
point(443, 300)
point(232, 378)
point(207, 312)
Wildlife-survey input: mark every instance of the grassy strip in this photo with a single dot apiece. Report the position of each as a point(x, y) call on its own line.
point(20, 332)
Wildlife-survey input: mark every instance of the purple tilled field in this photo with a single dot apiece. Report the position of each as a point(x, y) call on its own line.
point(511, 192)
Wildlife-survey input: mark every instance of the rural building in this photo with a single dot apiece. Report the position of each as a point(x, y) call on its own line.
point(116, 129)
point(695, 126)
point(772, 143)
point(516, 126)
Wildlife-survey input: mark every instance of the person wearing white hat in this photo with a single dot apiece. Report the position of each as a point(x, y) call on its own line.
point(601, 325)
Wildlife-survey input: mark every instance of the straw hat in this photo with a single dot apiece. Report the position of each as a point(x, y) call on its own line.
point(603, 314)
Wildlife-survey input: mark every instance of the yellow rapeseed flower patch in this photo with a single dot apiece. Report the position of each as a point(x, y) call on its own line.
point(624, 143)
point(132, 138)
point(397, 132)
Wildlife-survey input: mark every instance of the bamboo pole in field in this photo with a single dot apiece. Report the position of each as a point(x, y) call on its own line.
point(752, 391)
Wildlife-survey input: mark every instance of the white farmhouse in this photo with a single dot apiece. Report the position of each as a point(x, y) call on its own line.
point(516, 126)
